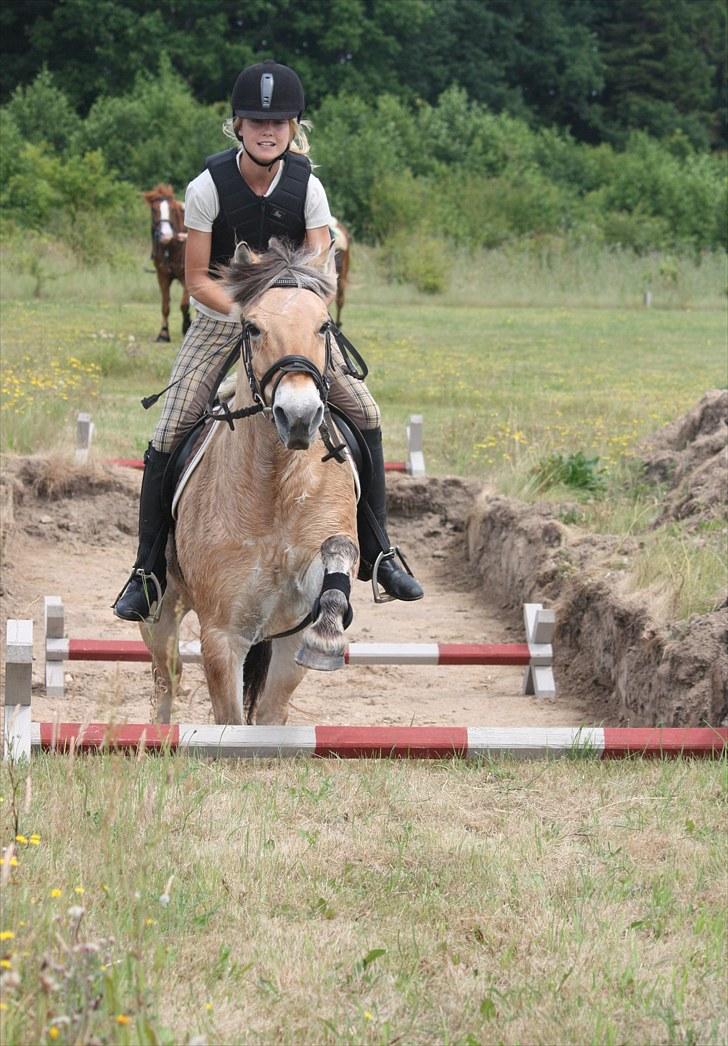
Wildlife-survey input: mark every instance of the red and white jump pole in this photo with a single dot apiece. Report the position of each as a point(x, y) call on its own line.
point(535, 655)
point(414, 465)
point(22, 736)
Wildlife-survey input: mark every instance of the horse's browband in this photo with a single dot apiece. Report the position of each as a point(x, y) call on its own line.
point(290, 281)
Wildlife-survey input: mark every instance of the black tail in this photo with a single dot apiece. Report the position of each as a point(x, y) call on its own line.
point(255, 673)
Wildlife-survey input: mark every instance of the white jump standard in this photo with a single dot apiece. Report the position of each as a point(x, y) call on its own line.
point(535, 655)
point(22, 736)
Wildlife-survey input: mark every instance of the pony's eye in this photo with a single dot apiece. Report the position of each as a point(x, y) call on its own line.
point(325, 327)
point(253, 331)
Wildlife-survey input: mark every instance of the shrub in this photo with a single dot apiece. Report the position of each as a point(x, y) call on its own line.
point(420, 259)
point(43, 114)
point(156, 133)
point(73, 197)
point(569, 470)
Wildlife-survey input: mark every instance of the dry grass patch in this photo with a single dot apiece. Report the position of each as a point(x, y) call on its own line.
point(334, 902)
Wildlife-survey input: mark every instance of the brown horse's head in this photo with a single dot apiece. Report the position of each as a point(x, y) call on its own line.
point(283, 295)
point(167, 213)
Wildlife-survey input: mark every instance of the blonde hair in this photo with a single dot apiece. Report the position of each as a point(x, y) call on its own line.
point(297, 129)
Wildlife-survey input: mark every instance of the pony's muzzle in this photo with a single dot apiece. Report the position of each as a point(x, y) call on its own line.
point(297, 414)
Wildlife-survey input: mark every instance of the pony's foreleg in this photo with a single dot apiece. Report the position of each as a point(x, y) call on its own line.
point(164, 280)
point(162, 639)
point(283, 677)
point(223, 661)
point(323, 640)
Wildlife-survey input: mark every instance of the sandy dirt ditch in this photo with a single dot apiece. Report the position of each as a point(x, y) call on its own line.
point(69, 532)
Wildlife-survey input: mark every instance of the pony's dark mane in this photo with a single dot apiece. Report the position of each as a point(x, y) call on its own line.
point(250, 275)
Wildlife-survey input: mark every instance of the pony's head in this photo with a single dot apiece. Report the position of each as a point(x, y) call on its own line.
point(167, 213)
point(283, 295)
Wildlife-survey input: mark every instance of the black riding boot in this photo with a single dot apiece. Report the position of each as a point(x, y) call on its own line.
point(142, 594)
point(373, 539)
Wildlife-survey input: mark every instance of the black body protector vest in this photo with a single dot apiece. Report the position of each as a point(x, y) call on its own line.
point(245, 217)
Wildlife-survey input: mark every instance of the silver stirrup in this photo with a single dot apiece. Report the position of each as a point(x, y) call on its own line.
point(155, 607)
point(380, 596)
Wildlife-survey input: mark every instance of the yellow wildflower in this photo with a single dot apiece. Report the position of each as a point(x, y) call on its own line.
point(368, 1016)
point(6, 964)
point(6, 935)
point(21, 839)
point(53, 1032)
point(78, 889)
point(121, 1018)
point(55, 892)
point(34, 839)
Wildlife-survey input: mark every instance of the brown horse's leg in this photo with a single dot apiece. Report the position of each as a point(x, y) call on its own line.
point(164, 280)
point(342, 274)
point(185, 307)
point(284, 675)
point(223, 663)
point(323, 641)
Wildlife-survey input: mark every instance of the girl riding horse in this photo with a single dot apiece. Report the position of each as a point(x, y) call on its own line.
point(261, 188)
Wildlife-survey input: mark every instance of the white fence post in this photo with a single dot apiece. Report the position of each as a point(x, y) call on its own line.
point(540, 626)
point(54, 630)
point(18, 690)
point(84, 435)
point(415, 453)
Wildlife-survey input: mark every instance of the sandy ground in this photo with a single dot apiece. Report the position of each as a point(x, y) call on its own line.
point(80, 548)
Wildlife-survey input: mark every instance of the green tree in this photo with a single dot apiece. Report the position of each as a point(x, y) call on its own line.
point(659, 68)
point(156, 132)
point(43, 113)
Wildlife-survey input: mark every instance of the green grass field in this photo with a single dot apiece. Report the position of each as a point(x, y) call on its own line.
point(169, 900)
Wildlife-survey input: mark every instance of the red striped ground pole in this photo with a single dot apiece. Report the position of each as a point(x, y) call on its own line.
point(415, 742)
point(356, 653)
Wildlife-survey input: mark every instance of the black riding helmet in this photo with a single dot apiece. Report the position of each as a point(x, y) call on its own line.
point(268, 90)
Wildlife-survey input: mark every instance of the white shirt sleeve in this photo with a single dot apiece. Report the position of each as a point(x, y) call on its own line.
point(202, 203)
point(316, 210)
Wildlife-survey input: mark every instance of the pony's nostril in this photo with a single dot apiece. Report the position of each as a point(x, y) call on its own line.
point(279, 416)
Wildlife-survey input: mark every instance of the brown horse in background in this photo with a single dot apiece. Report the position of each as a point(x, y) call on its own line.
point(342, 248)
point(168, 250)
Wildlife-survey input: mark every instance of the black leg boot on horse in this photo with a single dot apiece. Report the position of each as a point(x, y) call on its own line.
point(378, 558)
point(142, 595)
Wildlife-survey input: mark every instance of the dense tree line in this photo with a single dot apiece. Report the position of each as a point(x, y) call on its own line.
point(599, 68)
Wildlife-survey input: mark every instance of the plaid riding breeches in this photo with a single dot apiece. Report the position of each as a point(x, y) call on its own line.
point(199, 364)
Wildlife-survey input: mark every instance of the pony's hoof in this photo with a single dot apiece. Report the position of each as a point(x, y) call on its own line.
point(308, 658)
point(162, 337)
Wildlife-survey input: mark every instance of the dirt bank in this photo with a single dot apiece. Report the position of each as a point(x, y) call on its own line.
point(638, 672)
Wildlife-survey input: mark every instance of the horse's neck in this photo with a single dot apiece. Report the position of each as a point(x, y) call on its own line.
point(252, 461)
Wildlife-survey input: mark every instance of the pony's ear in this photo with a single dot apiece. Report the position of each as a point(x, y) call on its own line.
point(326, 261)
point(245, 255)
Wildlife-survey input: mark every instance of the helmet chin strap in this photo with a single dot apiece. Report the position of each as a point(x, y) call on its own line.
point(261, 163)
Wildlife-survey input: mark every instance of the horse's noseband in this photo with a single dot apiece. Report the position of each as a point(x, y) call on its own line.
point(281, 367)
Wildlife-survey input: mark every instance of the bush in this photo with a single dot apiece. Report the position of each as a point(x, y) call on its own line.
point(419, 259)
point(569, 470)
point(156, 133)
point(43, 114)
point(74, 198)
